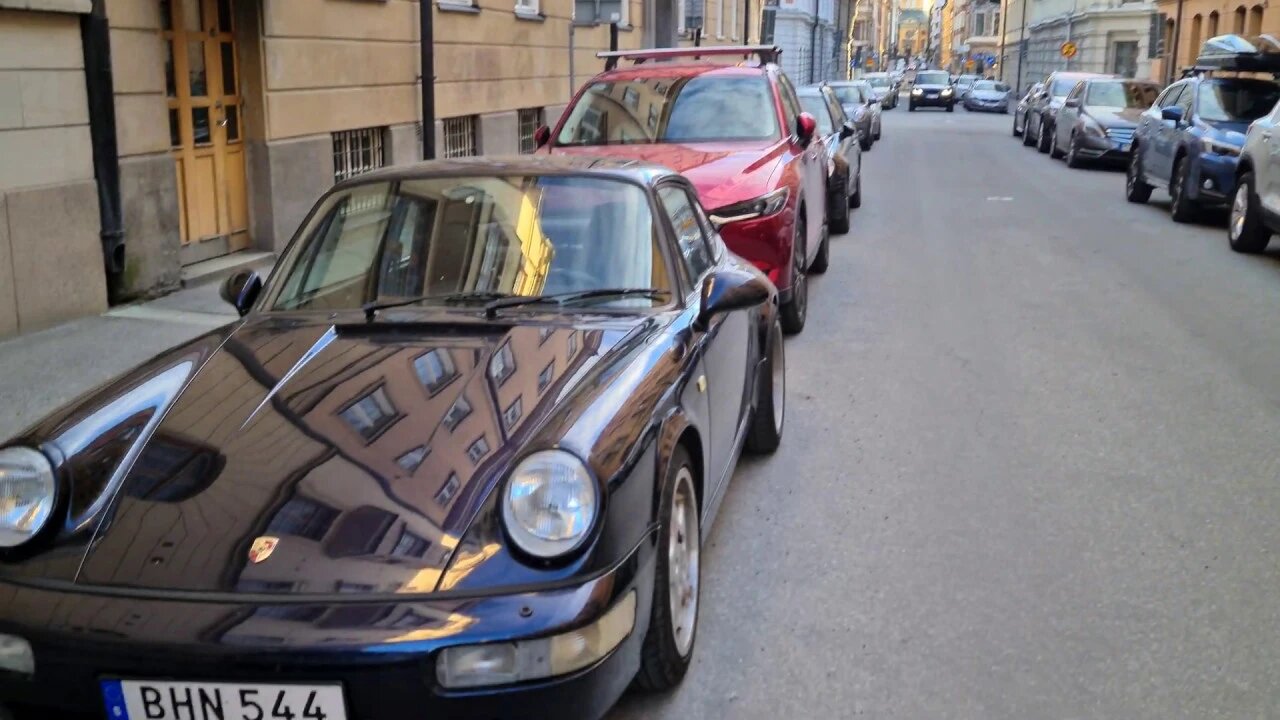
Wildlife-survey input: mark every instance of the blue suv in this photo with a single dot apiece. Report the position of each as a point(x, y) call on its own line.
point(1190, 140)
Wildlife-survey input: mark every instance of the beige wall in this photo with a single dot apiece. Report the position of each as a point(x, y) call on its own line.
point(1233, 17)
point(50, 254)
point(137, 67)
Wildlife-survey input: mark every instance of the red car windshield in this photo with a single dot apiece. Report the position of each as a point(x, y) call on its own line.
point(662, 110)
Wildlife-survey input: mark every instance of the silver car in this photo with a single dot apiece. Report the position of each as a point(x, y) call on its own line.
point(988, 96)
point(860, 104)
point(884, 87)
point(1024, 107)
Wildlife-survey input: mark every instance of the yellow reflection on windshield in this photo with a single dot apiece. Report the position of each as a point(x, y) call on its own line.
point(536, 249)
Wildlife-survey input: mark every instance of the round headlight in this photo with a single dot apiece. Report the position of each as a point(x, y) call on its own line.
point(549, 504)
point(27, 494)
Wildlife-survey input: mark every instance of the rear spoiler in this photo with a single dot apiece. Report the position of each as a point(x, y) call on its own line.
point(766, 53)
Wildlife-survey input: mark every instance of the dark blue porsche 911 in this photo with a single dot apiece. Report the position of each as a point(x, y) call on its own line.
point(456, 460)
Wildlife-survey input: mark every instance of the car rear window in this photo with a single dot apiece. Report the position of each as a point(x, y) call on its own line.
point(657, 110)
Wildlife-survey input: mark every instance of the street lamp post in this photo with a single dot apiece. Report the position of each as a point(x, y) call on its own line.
point(1022, 46)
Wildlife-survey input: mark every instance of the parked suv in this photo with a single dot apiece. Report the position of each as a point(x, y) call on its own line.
point(736, 131)
point(1037, 125)
point(1190, 141)
point(932, 88)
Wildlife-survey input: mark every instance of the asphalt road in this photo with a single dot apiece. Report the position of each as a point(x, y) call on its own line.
point(1030, 467)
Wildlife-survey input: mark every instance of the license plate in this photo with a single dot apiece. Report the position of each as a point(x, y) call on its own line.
point(148, 700)
point(931, 95)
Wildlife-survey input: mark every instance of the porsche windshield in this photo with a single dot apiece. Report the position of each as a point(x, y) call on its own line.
point(445, 238)
point(672, 109)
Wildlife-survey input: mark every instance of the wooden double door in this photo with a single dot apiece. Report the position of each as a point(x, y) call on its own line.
point(206, 126)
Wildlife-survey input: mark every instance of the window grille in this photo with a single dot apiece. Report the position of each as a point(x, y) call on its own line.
point(356, 152)
point(530, 119)
point(460, 136)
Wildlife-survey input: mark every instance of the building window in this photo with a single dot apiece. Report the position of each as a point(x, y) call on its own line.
point(448, 490)
point(410, 545)
point(544, 377)
point(573, 343)
point(530, 120)
point(371, 414)
point(511, 415)
point(527, 7)
point(354, 588)
point(356, 152)
point(1255, 21)
point(460, 136)
point(720, 19)
point(733, 19)
point(692, 15)
point(435, 369)
point(478, 450)
point(303, 517)
point(1124, 58)
point(410, 461)
point(459, 412)
point(544, 332)
point(1237, 27)
point(502, 364)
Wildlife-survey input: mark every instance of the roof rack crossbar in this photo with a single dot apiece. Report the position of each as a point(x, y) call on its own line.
point(766, 53)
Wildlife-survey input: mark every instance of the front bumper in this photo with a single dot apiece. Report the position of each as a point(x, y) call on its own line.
point(386, 670)
point(987, 105)
point(927, 100)
point(1213, 178)
point(1105, 149)
point(766, 243)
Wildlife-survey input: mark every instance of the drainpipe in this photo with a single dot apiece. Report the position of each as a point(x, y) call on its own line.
point(100, 94)
point(1022, 46)
point(1173, 58)
point(426, 49)
point(746, 23)
point(813, 41)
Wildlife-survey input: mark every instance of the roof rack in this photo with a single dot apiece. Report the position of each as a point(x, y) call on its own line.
point(766, 53)
point(1235, 53)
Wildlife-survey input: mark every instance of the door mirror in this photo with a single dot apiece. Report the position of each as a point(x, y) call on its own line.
point(1072, 103)
point(847, 131)
point(541, 136)
point(1173, 112)
point(241, 290)
point(730, 289)
point(805, 127)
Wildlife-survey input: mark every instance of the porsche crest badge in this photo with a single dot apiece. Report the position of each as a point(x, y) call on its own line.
point(262, 548)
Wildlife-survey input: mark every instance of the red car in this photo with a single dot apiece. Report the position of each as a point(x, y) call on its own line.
point(736, 131)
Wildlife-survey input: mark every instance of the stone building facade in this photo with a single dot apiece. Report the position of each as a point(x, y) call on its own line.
point(138, 137)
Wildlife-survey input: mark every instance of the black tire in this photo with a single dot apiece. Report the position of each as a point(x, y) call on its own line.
point(1136, 190)
point(951, 107)
point(822, 260)
point(855, 200)
point(865, 142)
point(1073, 153)
point(1027, 140)
point(1252, 235)
point(911, 107)
point(1044, 138)
point(767, 422)
point(796, 311)
point(1182, 208)
point(879, 131)
point(1054, 152)
point(662, 666)
point(1016, 131)
point(840, 209)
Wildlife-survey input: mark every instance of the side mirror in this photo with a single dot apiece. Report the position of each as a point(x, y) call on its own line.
point(241, 290)
point(541, 136)
point(847, 131)
point(1173, 113)
point(730, 289)
point(1072, 103)
point(805, 127)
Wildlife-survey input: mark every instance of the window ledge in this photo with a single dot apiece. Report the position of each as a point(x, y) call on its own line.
point(67, 6)
point(527, 16)
point(457, 7)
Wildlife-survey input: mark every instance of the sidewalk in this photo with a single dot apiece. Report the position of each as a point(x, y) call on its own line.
point(41, 371)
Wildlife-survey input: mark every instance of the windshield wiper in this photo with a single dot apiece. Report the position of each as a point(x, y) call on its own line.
point(491, 309)
point(371, 308)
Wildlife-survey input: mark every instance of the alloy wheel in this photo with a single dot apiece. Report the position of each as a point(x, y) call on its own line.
point(683, 550)
point(1239, 211)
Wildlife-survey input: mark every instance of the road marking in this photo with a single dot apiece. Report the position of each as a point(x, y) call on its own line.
point(999, 198)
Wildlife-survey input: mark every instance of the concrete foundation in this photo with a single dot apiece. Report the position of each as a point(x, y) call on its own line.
point(149, 192)
point(55, 255)
point(403, 144)
point(500, 133)
point(285, 179)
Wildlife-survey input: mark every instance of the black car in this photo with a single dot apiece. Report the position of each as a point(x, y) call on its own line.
point(932, 88)
point(844, 153)
point(1098, 118)
point(456, 460)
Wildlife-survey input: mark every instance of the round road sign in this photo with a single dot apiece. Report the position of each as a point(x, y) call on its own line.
point(1069, 49)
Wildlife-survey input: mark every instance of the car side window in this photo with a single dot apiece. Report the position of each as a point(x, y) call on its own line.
point(790, 103)
point(681, 209)
point(1169, 97)
point(1185, 99)
point(1076, 91)
point(837, 112)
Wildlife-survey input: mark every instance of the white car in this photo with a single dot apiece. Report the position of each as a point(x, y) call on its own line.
point(1255, 208)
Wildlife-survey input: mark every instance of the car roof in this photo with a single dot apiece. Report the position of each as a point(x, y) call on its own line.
point(605, 167)
point(1059, 74)
point(649, 71)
